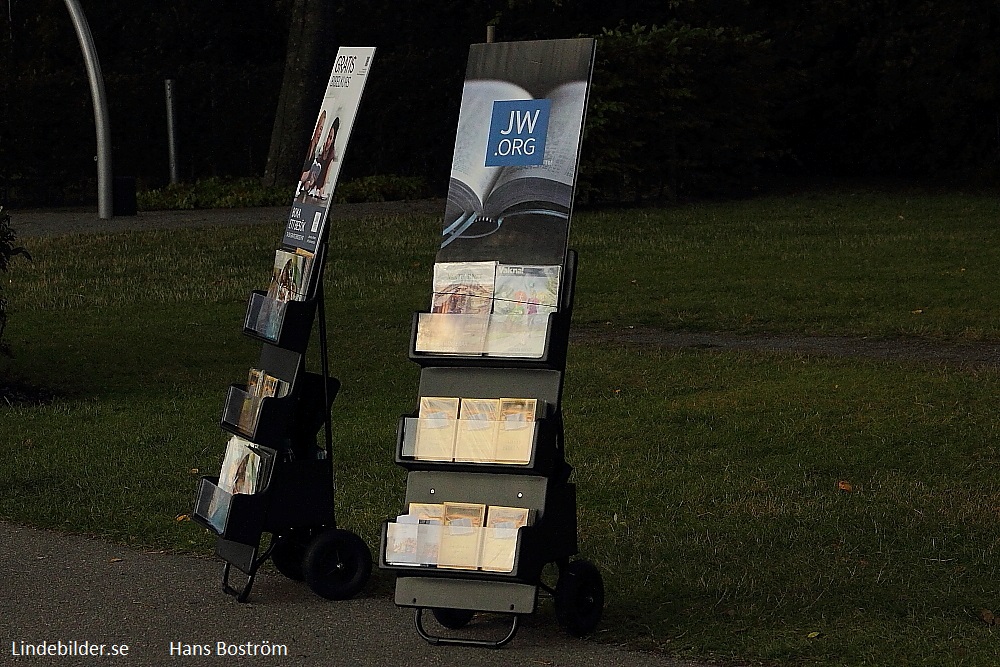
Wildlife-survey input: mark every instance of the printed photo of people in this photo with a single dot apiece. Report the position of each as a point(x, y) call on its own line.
point(313, 183)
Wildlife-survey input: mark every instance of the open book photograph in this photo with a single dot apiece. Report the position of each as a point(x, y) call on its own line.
point(517, 151)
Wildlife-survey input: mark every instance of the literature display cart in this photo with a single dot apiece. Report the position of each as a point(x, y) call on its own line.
point(276, 477)
point(489, 502)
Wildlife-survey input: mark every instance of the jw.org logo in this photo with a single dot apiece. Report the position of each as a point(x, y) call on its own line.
point(517, 132)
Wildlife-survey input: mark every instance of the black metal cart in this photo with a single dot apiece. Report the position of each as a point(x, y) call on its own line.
point(542, 485)
point(294, 503)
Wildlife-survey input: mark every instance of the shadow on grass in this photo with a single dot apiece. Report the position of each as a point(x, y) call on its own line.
point(18, 392)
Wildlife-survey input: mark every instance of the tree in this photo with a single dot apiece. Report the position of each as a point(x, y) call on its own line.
point(301, 89)
point(8, 251)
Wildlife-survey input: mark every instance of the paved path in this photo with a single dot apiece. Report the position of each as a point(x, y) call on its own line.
point(67, 588)
point(48, 222)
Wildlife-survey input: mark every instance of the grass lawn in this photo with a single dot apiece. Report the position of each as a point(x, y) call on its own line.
point(741, 505)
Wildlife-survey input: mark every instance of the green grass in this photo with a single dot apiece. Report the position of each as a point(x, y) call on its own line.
point(710, 499)
point(707, 480)
point(863, 264)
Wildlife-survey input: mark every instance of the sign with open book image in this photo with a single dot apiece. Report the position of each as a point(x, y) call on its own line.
point(516, 152)
point(323, 157)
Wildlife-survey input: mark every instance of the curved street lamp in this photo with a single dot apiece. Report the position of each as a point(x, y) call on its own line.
point(105, 206)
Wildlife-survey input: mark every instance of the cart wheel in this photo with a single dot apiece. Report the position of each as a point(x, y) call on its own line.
point(290, 550)
point(337, 564)
point(579, 598)
point(453, 619)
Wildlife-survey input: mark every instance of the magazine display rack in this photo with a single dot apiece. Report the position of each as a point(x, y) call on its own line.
point(489, 502)
point(276, 417)
point(294, 499)
point(541, 485)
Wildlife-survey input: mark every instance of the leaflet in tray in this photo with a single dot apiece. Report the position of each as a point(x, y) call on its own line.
point(270, 414)
point(440, 442)
point(425, 546)
point(237, 517)
point(456, 535)
point(492, 335)
point(283, 323)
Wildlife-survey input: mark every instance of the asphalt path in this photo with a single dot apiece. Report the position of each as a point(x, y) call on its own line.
point(76, 594)
point(85, 593)
point(28, 223)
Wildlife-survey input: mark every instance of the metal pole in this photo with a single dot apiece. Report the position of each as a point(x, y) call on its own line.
point(105, 197)
point(168, 85)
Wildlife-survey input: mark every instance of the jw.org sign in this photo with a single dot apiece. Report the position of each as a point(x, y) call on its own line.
point(517, 132)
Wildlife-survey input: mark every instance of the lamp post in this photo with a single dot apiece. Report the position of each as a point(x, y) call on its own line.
point(105, 197)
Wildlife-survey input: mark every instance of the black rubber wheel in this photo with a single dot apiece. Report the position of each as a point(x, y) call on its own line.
point(453, 619)
point(290, 550)
point(337, 564)
point(579, 598)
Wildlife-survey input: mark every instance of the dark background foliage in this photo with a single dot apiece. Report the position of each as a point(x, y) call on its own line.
point(690, 97)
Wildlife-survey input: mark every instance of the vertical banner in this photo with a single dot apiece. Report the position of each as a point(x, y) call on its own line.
point(517, 149)
point(321, 166)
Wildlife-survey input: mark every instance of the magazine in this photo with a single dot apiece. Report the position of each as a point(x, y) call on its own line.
point(241, 472)
point(437, 423)
point(477, 430)
point(427, 511)
point(460, 309)
point(430, 519)
point(450, 333)
point(239, 467)
point(463, 287)
point(515, 432)
point(290, 276)
point(522, 300)
point(272, 387)
point(248, 414)
point(260, 385)
point(460, 537)
point(289, 282)
point(489, 308)
point(500, 537)
point(526, 290)
point(401, 541)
